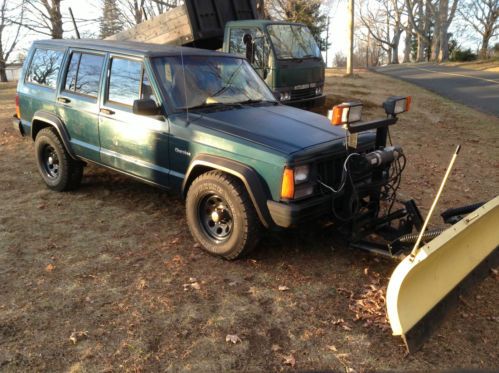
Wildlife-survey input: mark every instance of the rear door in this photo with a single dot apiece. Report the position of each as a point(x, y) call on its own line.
point(136, 144)
point(77, 102)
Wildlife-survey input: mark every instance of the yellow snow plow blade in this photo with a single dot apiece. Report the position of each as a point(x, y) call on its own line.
point(422, 286)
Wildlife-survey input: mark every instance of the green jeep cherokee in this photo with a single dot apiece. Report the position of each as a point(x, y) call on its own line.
point(199, 122)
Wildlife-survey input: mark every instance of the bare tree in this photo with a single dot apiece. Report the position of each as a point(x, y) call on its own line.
point(483, 17)
point(419, 16)
point(137, 11)
point(384, 23)
point(10, 25)
point(44, 17)
point(442, 23)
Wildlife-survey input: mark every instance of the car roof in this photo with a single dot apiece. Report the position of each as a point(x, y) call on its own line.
point(129, 47)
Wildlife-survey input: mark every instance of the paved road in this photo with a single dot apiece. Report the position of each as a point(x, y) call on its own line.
point(477, 89)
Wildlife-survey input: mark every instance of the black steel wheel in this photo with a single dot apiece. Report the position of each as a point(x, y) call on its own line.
point(58, 170)
point(50, 161)
point(221, 216)
point(216, 217)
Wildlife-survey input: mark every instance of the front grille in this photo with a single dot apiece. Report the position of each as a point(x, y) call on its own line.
point(300, 94)
point(329, 171)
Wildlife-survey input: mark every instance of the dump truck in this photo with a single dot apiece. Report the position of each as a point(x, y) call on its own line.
point(284, 54)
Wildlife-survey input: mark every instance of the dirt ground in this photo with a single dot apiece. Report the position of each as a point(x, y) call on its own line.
point(107, 278)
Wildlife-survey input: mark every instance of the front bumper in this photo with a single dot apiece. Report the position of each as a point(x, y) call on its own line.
point(311, 102)
point(287, 215)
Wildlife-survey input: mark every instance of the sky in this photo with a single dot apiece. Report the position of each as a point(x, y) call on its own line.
point(338, 13)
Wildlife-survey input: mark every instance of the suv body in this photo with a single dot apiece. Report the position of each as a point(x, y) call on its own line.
point(115, 104)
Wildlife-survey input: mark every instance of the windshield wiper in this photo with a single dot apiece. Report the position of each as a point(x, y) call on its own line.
point(251, 101)
point(207, 106)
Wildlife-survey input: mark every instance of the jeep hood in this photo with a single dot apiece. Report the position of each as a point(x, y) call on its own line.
point(282, 128)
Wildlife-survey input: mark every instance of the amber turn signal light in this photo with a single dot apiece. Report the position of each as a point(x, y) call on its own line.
point(288, 184)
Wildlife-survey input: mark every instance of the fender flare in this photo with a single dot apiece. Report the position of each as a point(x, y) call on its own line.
point(55, 122)
point(249, 177)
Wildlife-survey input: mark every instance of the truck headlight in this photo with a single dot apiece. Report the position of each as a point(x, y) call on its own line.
point(301, 174)
point(318, 90)
point(285, 96)
point(295, 182)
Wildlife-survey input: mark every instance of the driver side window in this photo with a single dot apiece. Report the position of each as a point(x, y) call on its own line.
point(252, 44)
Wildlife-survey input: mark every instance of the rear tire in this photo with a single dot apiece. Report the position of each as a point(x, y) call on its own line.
point(221, 216)
point(59, 171)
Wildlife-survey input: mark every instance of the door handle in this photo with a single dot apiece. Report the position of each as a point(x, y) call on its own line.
point(64, 100)
point(107, 111)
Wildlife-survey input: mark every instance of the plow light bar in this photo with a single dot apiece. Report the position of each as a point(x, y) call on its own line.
point(345, 113)
point(397, 104)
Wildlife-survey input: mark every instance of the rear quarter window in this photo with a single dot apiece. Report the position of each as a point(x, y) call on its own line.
point(44, 68)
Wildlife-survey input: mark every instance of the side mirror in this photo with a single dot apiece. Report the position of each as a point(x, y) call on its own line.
point(145, 107)
point(277, 95)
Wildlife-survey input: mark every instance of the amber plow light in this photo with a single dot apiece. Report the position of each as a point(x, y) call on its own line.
point(288, 184)
point(397, 104)
point(345, 113)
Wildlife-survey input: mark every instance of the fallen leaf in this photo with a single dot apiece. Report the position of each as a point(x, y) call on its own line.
point(78, 336)
point(346, 327)
point(338, 321)
point(232, 338)
point(276, 347)
point(192, 279)
point(332, 348)
point(195, 285)
point(283, 288)
point(50, 267)
point(289, 360)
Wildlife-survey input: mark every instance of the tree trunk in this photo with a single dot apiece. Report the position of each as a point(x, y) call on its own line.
point(485, 46)
point(443, 10)
point(3, 73)
point(395, 47)
point(56, 20)
point(422, 46)
point(435, 43)
point(408, 44)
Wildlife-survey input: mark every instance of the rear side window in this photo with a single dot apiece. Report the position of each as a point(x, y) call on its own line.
point(45, 67)
point(128, 82)
point(84, 73)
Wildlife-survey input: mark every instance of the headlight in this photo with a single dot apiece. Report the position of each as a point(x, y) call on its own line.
point(301, 174)
point(295, 182)
point(397, 104)
point(318, 90)
point(285, 96)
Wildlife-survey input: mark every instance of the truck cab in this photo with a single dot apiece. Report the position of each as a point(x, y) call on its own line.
point(284, 54)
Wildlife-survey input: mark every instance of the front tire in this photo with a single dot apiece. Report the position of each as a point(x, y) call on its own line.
point(58, 170)
point(221, 216)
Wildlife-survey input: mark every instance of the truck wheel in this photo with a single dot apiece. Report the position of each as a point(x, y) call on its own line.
point(59, 171)
point(221, 216)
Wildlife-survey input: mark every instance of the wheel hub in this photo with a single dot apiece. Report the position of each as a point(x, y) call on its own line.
point(216, 217)
point(50, 161)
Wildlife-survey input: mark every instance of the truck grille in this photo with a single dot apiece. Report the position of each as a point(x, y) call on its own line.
point(300, 94)
point(329, 171)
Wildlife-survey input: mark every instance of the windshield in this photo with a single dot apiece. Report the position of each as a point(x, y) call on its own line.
point(209, 81)
point(293, 41)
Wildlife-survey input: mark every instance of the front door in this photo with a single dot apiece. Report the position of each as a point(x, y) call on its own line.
point(135, 144)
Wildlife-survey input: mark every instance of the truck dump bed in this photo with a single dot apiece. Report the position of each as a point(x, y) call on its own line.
point(198, 23)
